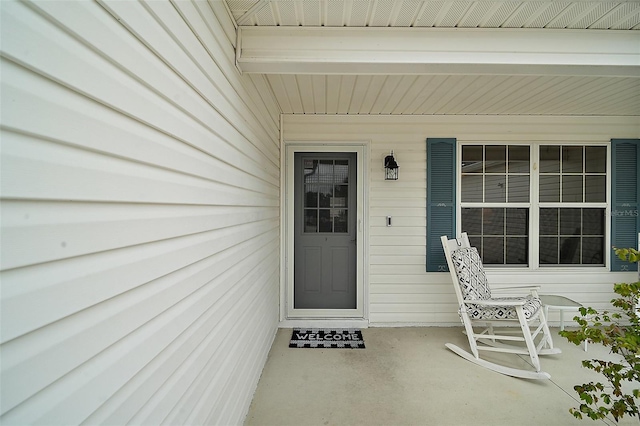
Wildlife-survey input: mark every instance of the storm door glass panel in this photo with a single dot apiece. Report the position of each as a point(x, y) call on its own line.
point(326, 196)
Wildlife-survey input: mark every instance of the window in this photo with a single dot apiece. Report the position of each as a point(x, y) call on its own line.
point(514, 194)
point(326, 192)
point(567, 193)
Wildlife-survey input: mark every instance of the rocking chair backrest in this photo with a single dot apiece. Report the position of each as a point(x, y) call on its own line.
point(470, 272)
point(467, 273)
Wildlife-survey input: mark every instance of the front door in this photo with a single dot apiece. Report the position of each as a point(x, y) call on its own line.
point(325, 230)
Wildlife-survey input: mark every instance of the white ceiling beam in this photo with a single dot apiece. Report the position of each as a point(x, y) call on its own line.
point(335, 50)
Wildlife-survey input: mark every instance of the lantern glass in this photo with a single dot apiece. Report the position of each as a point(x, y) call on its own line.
point(391, 174)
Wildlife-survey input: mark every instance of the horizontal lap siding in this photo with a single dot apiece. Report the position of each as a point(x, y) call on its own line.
point(399, 289)
point(140, 216)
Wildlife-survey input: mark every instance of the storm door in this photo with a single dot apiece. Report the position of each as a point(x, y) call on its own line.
point(325, 230)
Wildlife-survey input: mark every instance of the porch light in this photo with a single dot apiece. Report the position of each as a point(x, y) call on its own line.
point(390, 167)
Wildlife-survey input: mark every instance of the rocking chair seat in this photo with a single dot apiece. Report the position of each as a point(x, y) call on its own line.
point(530, 307)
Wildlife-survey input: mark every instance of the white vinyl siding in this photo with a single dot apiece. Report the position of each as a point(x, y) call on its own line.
point(399, 289)
point(140, 215)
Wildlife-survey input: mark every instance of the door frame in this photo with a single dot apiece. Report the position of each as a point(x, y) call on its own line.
point(287, 311)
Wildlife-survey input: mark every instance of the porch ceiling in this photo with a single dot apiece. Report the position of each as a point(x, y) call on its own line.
point(312, 76)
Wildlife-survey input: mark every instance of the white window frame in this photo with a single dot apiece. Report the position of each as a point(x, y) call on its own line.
point(534, 205)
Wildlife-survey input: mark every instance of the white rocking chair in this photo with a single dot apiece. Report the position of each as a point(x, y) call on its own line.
point(478, 308)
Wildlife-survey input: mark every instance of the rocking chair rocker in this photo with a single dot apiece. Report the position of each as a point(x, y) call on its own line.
point(478, 308)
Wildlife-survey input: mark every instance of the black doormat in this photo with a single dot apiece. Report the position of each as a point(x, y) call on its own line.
point(348, 338)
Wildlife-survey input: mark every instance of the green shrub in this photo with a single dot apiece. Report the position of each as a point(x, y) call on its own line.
point(620, 331)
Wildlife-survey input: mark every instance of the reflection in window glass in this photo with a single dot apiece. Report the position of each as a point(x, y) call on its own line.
point(595, 189)
point(572, 189)
point(486, 178)
point(325, 224)
point(519, 161)
point(517, 251)
point(550, 159)
point(572, 159)
point(472, 159)
point(595, 159)
point(495, 189)
point(472, 221)
point(500, 234)
point(326, 195)
point(549, 188)
point(339, 220)
point(576, 237)
point(518, 188)
point(310, 220)
point(471, 188)
point(496, 159)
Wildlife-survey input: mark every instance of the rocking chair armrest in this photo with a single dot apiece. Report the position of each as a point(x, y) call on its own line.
point(490, 302)
point(531, 288)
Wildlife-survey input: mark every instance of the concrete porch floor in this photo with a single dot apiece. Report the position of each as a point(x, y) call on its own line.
point(406, 376)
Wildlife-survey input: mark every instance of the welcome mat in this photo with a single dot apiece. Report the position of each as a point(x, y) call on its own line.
point(349, 338)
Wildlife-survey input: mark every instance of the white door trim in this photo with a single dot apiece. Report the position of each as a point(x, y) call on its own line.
point(288, 313)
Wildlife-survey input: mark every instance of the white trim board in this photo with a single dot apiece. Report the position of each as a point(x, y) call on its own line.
point(516, 51)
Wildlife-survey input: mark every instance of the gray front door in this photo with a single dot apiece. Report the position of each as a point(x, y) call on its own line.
point(325, 231)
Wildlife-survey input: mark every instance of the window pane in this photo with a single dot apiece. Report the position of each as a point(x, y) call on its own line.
point(548, 251)
point(486, 229)
point(593, 251)
point(341, 196)
point(325, 221)
point(341, 171)
point(495, 189)
point(571, 159)
point(596, 159)
point(310, 195)
point(517, 251)
point(477, 243)
point(496, 157)
point(519, 159)
point(471, 159)
point(595, 189)
point(570, 222)
point(569, 250)
point(572, 189)
point(549, 222)
point(579, 239)
point(549, 189)
point(517, 222)
point(518, 189)
point(471, 188)
point(339, 220)
point(472, 221)
point(493, 221)
point(310, 220)
point(493, 250)
point(310, 171)
point(326, 194)
point(549, 159)
point(593, 222)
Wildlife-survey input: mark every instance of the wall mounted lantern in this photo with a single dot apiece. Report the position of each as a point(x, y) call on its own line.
point(390, 167)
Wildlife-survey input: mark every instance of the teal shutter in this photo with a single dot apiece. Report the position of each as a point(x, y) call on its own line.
point(441, 199)
point(625, 203)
